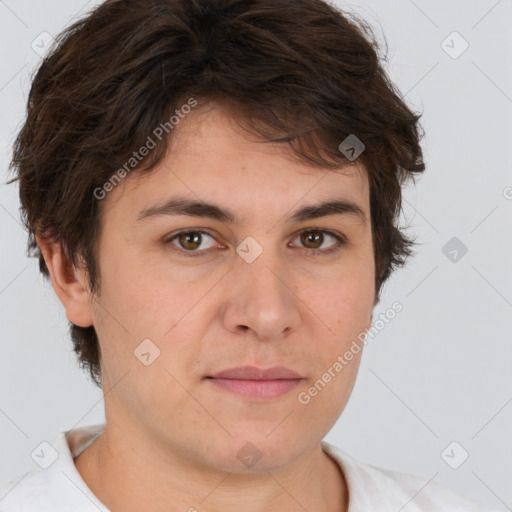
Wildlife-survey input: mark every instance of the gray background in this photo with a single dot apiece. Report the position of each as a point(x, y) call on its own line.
point(441, 370)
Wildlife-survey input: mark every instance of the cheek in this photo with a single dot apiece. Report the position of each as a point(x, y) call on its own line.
point(325, 396)
point(344, 303)
point(344, 306)
point(132, 292)
point(137, 305)
point(352, 310)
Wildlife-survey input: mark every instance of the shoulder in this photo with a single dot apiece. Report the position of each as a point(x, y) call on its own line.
point(48, 490)
point(26, 492)
point(55, 486)
point(374, 488)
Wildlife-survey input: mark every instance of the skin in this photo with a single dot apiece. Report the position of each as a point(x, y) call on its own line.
point(171, 438)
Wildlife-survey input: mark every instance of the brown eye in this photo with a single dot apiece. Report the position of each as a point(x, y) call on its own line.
point(190, 241)
point(313, 239)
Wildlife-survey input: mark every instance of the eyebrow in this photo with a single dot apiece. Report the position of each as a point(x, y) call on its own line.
point(192, 208)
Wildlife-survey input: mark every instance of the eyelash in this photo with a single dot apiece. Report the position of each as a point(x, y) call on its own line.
point(312, 252)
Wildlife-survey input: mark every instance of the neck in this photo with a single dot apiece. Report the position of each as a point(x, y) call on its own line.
point(144, 478)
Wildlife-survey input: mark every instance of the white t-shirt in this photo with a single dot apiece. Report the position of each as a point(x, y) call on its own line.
point(60, 488)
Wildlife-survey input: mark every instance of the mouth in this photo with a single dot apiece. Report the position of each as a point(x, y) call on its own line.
point(257, 383)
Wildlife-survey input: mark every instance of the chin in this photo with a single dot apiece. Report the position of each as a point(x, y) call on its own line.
point(258, 451)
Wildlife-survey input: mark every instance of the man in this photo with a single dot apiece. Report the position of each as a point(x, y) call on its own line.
point(213, 187)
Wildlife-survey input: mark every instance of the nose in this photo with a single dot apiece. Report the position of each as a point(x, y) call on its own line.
point(261, 299)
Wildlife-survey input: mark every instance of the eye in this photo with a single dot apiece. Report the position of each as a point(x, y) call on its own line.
point(190, 241)
point(312, 239)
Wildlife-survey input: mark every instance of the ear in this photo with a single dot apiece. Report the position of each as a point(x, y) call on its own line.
point(69, 283)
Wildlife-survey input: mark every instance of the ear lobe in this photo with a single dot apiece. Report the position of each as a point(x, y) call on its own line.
point(69, 283)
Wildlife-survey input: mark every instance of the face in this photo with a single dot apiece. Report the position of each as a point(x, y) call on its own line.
point(208, 293)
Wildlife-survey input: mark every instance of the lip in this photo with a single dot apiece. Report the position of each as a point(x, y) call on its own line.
point(254, 373)
point(257, 383)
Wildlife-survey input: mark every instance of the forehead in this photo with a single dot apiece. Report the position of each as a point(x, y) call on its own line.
point(213, 131)
point(212, 159)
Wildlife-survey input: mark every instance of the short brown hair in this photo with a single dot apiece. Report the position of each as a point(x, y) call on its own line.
point(299, 72)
